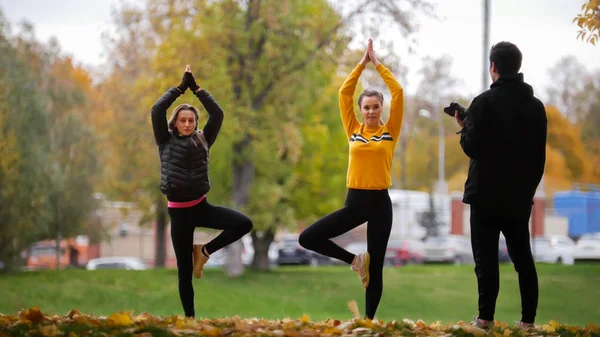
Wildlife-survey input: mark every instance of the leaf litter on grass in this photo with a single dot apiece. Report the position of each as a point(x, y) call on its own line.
point(32, 322)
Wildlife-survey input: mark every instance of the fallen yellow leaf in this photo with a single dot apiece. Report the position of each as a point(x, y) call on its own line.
point(305, 319)
point(331, 331)
point(119, 319)
point(34, 315)
point(353, 307)
point(49, 330)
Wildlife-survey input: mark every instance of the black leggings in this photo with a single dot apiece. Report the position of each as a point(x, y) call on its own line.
point(183, 223)
point(486, 226)
point(372, 206)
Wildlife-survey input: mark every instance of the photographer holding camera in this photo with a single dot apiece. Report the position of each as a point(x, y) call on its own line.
point(504, 134)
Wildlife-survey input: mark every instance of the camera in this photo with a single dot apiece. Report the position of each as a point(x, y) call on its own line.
point(450, 110)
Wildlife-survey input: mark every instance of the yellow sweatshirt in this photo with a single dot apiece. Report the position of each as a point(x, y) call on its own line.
point(371, 149)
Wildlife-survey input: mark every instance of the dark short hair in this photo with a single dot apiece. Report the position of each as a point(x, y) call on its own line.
point(507, 58)
point(370, 93)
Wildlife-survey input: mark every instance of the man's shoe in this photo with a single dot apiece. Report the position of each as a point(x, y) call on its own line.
point(481, 323)
point(525, 326)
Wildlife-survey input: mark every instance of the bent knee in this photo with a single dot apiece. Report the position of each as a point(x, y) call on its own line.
point(305, 240)
point(247, 225)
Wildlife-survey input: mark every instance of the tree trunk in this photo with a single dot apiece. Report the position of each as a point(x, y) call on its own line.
point(261, 244)
point(243, 174)
point(161, 226)
point(58, 218)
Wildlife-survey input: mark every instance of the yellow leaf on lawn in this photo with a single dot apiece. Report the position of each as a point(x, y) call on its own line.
point(143, 317)
point(593, 327)
point(73, 313)
point(554, 324)
point(187, 323)
point(72, 334)
point(473, 330)
point(305, 318)
point(34, 315)
point(240, 325)
point(367, 323)
point(119, 319)
point(421, 324)
point(331, 331)
point(291, 333)
point(507, 332)
point(548, 328)
point(49, 330)
point(353, 307)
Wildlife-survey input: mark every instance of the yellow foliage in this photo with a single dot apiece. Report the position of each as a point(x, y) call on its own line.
point(589, 21)
point(305, 318)
point(122, 323)
point(120, 319)
point(564, 138)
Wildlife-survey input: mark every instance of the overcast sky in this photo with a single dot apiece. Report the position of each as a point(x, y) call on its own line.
point(542, 29)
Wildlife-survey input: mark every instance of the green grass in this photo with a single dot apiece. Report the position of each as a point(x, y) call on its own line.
point(568, 294)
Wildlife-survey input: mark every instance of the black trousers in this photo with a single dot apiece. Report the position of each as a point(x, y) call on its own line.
point(183, 223)
point(372, 206)
point(486, 225)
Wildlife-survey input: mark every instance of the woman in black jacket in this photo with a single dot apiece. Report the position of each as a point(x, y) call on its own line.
point(183, 151)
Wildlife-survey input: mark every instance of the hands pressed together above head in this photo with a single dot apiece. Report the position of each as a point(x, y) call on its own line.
point(369, 55)
point(188, 81)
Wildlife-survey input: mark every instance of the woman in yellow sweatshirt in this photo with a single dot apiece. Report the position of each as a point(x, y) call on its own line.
point(371, 150)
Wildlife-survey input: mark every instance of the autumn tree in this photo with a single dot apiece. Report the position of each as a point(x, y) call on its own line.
point(566, 157)
point(24, 153)
point(49, 164)
point(589, 21)
point(576, 94)
point(268, 63)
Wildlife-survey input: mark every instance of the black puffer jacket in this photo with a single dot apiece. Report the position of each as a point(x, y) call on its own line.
point(184, 162)
point(505, 137)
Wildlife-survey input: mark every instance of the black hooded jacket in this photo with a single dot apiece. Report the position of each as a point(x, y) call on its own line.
point(505, 137)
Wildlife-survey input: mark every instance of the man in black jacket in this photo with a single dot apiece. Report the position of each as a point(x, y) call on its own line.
point(504, 134)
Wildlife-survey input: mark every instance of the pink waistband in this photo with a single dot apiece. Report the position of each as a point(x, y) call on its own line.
point(185, 204)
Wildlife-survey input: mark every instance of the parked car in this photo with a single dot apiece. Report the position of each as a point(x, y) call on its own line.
point(248, 251)
point(404, 251)
point(290, 252)
point(117, 262)
point(553, 249)
point(587, 248)
point(448, 249)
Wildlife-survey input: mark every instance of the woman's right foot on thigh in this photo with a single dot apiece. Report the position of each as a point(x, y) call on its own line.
point(361, 266)
point(200, 259)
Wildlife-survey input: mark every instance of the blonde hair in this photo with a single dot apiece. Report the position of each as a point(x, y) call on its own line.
point(196, 135)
